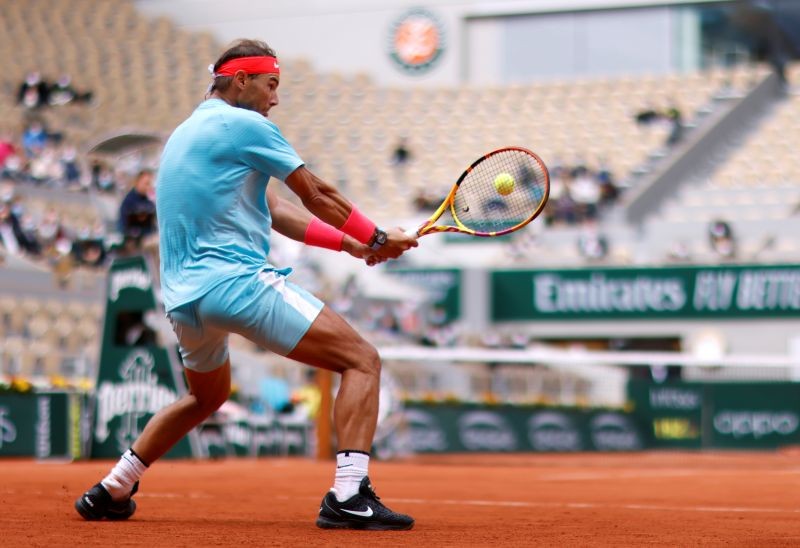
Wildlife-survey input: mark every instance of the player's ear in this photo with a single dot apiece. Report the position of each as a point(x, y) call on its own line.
point(240, 77)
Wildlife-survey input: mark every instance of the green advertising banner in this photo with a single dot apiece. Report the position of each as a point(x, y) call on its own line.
point(646, 293)
point(670, 414)
point(720, 415)
point(445, 283)
point(136, 377)
point(755, 415)
point(444, 428)
point(42, 425)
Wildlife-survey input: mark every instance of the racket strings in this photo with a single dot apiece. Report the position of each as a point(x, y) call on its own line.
point(502, 191)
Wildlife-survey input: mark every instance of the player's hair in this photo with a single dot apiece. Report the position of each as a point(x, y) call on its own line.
point(240, 48)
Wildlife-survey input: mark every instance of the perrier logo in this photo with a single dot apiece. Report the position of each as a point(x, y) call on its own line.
point(138, 395)
point(416, 41)
point(130, 277)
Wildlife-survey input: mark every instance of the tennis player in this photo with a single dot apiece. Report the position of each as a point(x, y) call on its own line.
point(215, 214)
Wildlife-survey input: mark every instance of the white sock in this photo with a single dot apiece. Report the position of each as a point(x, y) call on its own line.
point(351, 467)
point(125, 473)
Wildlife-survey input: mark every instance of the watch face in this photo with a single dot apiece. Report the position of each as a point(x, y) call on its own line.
point(380, 237)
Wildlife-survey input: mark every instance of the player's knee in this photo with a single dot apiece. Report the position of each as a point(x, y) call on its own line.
point(211, 402)
point(371, 361)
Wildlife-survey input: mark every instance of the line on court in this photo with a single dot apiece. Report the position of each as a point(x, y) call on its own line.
point(591, 505)
point(665, 473)
point(582, 505)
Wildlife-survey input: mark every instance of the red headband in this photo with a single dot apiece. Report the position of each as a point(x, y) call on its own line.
point(251, 65)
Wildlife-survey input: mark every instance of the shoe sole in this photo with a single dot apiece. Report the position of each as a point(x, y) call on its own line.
point(86, 512)
point(325, 523)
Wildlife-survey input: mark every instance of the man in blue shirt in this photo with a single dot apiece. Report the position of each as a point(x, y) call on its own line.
point(216, 211)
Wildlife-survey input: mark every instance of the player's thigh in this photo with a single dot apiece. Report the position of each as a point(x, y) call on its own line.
point(210, 388)
point(333, 344)
point(203, 347)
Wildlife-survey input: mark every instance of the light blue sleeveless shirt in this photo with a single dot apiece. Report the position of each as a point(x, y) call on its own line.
point(213, 219)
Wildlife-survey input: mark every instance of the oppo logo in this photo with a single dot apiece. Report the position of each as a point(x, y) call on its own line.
point(553, 431)
point(483, 430)
point(614, 432)
point(757, 424)
point(8, 432)
point(425, 432)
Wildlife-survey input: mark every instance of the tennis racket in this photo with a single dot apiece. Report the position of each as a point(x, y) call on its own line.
point(499, 193)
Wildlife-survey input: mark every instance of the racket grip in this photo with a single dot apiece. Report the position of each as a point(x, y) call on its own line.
point(412, 232)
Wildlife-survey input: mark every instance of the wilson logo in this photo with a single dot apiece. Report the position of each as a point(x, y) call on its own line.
point(8, 432)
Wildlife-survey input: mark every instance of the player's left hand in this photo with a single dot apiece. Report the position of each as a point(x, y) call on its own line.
point(361, 251)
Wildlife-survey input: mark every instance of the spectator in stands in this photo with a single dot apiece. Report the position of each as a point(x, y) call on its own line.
point(586, 193)
point(679, 252)
point(722, 239)
point(13, 168)
point(7, 148)
point(34, 139)
point(89, 249)
point(675, 118)
point(17, 230)
point(672, 116)
point(103, 177)
point(46, 166)
point(70, 166)
point(592, 244)
point(50, 230)
point(62, 93)
point(137, 213)
point(609, 191)
point(33, 92)
point(401, 154)
point(562, 206)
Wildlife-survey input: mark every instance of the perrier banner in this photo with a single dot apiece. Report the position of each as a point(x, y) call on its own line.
point(137, 377)
point(646, 293)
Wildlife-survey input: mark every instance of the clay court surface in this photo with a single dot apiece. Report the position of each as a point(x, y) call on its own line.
point(665, 499)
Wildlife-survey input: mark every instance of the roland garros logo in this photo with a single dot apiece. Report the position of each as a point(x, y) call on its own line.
point(416, 41)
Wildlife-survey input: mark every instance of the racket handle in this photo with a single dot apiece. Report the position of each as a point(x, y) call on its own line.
point(412, 232)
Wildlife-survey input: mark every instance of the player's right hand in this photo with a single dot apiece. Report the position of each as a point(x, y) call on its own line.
point(397, 243)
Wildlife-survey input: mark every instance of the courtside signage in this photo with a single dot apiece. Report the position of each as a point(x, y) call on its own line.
point(641, 293)
point(416, 41)
point(135, 379)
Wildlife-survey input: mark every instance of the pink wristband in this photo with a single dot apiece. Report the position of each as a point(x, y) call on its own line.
point(321, 234)
point(358, 226)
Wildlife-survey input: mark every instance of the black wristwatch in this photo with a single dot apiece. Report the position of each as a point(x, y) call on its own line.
point(378, 238)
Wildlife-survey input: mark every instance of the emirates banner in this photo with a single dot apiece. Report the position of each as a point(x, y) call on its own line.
point(646, 293)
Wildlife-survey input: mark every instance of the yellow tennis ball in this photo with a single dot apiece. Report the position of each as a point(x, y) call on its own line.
point(504, 183)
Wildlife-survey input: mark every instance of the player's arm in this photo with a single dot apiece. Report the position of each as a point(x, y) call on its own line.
point(325, 202)
point(298, 224)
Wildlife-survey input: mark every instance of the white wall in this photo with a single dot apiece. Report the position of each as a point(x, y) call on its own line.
point(352, 35)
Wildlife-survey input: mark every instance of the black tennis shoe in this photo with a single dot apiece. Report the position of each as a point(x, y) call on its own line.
point(361, 511)
point(96, 503)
